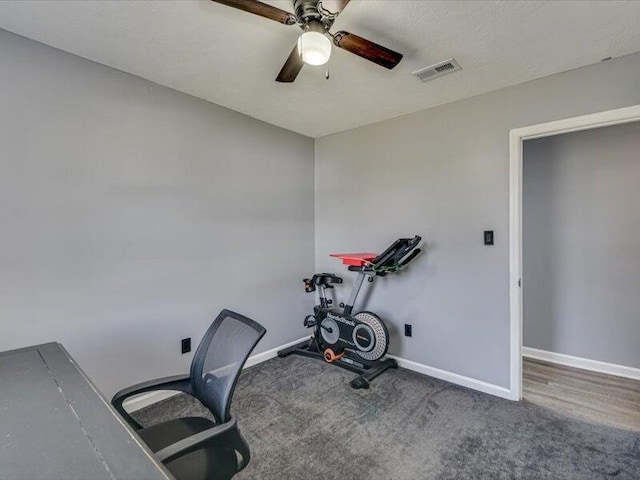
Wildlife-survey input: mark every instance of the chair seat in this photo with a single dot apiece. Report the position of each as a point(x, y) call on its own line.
point(210, 463)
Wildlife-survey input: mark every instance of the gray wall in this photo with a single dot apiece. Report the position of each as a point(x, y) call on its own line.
point(581, 244)
point(444, 173)
point(131, 214)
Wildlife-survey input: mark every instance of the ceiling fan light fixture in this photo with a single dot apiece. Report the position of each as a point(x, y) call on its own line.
point(314, 48)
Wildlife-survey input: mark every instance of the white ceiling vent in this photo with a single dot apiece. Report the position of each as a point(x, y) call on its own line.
point(437, 70)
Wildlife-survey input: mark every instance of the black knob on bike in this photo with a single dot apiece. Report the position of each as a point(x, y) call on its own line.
point(310, 321)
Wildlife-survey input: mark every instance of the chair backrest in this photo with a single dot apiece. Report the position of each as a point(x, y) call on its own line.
point(219, 359)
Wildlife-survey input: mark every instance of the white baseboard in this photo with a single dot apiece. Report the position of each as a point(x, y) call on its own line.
point(147, 399)
point(269, 354)
point(451, 377)
point(583, 363)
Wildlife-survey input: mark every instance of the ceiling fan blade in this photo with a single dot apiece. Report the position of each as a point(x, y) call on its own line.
point(262, 9)
point(291, 67)
point(342, 4)
point(366, 49)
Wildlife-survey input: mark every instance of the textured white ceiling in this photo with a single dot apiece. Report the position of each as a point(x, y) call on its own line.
point(231, 58)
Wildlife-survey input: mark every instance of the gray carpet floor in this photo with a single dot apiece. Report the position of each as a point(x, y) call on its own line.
point(303, 421)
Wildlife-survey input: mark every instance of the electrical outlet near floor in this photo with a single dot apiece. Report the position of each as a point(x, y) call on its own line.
point(408, 330)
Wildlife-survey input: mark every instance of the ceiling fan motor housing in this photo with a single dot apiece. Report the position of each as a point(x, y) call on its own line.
point(307, 11)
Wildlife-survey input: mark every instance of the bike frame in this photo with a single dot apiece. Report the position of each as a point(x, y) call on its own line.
point(355, 291)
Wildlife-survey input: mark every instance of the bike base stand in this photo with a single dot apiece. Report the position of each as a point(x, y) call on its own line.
point(366, 370)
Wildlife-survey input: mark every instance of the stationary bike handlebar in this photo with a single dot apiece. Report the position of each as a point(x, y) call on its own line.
point(394, 258)
point(410, 257)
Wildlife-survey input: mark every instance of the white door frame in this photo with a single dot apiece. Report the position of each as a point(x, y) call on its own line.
point(517, 136)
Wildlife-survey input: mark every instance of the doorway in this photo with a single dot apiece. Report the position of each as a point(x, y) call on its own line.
point(581, 270)
point(517, 139)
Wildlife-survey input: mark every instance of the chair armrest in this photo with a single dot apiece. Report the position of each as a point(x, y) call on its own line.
point(180, 383)
point(226, 435)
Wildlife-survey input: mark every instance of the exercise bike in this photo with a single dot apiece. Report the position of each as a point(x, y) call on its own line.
point(356, 342)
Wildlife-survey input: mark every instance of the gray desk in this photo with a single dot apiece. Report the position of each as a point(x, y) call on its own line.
point(54, 424)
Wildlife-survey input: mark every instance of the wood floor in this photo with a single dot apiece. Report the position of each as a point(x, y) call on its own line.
point(596, 397)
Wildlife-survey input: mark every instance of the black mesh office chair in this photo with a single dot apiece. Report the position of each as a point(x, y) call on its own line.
point(195, 448)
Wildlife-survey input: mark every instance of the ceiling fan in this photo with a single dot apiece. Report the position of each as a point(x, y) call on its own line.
point(314, 44)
